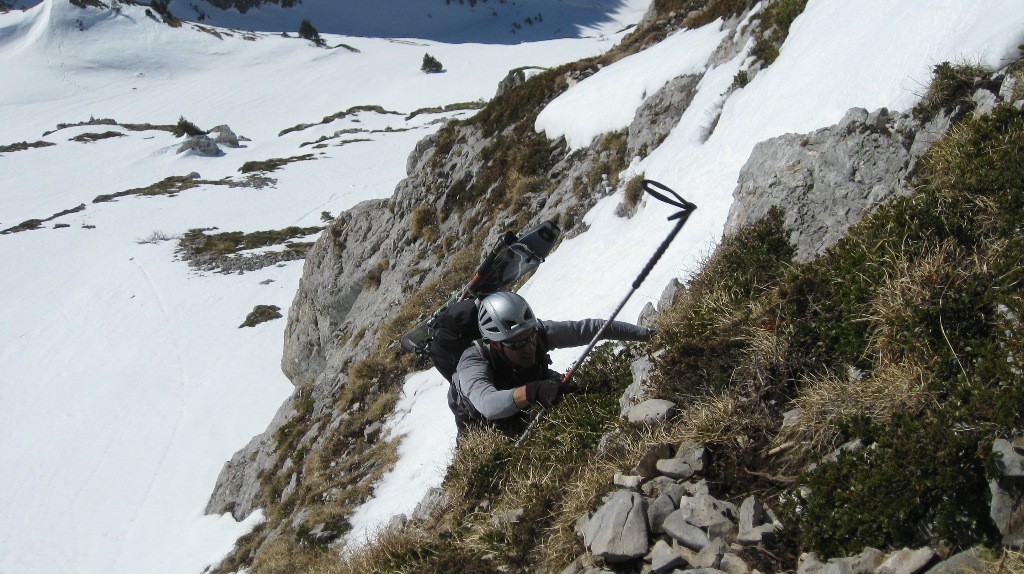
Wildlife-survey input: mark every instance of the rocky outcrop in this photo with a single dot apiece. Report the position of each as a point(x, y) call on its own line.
point(829, 179)
point(202, 145)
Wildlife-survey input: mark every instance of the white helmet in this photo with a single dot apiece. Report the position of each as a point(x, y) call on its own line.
point(504, 315)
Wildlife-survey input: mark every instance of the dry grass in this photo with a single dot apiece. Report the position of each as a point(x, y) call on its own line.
point(828, 399)
point(1005, 561)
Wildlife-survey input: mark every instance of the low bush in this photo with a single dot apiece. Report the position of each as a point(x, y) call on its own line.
point(431, 65)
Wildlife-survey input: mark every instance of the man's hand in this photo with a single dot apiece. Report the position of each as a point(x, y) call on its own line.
point(547, 392)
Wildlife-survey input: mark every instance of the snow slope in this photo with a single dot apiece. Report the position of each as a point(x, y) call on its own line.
point(125, 382)
point(838, 55)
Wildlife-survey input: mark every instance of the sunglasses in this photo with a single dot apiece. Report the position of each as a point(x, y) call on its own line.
point(516, 345)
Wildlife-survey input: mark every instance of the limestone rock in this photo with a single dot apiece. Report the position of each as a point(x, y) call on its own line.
point(826, 180)
point(650, 411)
point(1010, 456)
point(636, 392)
point(647, 467)
point(751, 513)
point(758, 535)
point(711, 555)
point(966, 562)
point(659, 114)
point(658, 511)
point(223, 135)
point(908, 561)
point(1007, 508)
point(664, 557)
point(690, 536)
point(675, 468)
point(202, 145)
point(627, 481)
point(618, 530)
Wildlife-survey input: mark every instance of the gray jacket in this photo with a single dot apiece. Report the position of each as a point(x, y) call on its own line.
point(474, 380)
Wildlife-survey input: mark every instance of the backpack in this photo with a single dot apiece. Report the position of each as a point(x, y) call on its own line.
point(454, 330)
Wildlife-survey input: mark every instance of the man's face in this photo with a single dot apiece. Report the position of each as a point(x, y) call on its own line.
point(520, 350)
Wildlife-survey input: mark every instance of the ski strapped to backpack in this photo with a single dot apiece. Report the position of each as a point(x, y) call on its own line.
point(509, 260)
point(660, 192)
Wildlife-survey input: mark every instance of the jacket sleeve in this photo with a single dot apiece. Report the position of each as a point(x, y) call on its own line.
point(575, 333)
point(475, 382)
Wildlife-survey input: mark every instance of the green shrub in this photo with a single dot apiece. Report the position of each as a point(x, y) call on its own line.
point(920, 481)
point(309, 32)
point(186, 128)
point(431, 65)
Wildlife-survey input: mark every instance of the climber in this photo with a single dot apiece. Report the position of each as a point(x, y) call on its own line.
point(506, 371)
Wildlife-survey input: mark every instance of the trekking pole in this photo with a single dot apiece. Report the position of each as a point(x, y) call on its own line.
point(658, 191)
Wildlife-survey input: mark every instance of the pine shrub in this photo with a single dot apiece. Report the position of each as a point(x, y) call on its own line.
point(431, 65)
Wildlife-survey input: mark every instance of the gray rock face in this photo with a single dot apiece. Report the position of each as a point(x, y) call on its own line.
point(829, 179)
point(238, 487)
point(618, 530)
point(659, 114)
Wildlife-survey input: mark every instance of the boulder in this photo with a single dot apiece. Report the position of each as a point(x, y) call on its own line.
point(627, 481)
point(707, 513)
point(1010, 457)
point(223, 135)
point(675, 468)
point(650, 411)
point(751, 513)
point(664, 557)
point(658, 511)
point(908, 561)
point(763, 534)
point(685, 533)
point(202, 145)
point(711, 555)
point(618, 530)
point(966, 562)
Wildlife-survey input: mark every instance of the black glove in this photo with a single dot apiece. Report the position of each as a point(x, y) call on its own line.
point(547, 392)
point(649, 333)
